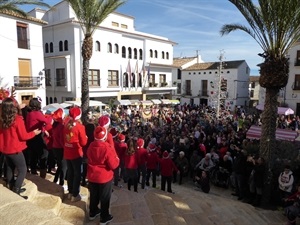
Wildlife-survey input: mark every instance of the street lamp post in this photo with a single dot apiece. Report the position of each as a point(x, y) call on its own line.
point(221, 57)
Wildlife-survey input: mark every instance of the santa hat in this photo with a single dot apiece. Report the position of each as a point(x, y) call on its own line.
point(104, 121)
point(100, 133)
point(151, 147)
point(166, 154)
point(75, 113)
point(58, 115)
point(121, 137)
point(140, 142)
point(113, 132)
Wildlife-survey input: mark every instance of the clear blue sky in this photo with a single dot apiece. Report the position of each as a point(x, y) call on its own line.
point(194, 25)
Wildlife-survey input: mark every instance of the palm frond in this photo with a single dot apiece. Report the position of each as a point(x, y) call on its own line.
point(13, 5)
point(274, 24)
point(91, 13)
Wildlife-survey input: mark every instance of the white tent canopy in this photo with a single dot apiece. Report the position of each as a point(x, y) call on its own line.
point(281, 110)
point(55, 106)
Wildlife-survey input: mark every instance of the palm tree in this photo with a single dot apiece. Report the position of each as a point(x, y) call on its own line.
point(275, 26)
point(90, 14)
point(13, 5)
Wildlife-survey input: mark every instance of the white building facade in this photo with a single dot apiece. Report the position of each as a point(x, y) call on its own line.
point(22, 60)
point(126, 64)
point(201, 83)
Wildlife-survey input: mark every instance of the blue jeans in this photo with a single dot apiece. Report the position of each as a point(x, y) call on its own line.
point(74, 175)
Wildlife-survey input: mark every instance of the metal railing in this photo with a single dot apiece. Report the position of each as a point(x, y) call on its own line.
point(27, 82)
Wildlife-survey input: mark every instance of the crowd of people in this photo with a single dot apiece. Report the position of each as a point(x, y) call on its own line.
point(180, 143)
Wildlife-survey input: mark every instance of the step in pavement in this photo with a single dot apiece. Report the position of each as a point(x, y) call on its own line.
point(47, 204)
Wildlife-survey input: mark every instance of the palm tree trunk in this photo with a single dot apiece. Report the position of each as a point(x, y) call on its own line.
point(85, 97)
point(87, 51)
point(269, 120)
point(268, 140)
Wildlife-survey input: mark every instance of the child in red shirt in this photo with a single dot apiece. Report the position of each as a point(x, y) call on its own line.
point(167, 167)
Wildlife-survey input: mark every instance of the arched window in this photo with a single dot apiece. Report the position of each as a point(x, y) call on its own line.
point(66, 45)
point(135, 53)
point(123, 52)
point(97, 46)
point(47, 48)
point(141, 54)
point(47, 101)
point(109, 47)
point(51, 47)
point(125, 80)
point(155, 54)
point(151, 53)
point(51, 100)
point(162, 54)
point(140, 80)
point(55, 100)
point(60, 46)
point(129, 53)
point(132, 84)
point(167, 55)
point(116, 48)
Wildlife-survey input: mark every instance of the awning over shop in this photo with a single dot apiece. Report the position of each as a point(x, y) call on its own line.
point(254, 132)
point(175, 101)
point(281, 110)
point(147, 102)
point(122, 102)
point(156, 101)
point(134, 101)
point(166, 101)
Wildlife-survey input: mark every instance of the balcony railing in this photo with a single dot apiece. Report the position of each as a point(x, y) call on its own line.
point(21, 82)
point(296, 86)
point(297, 62)
point(203, 93)
point(23, 43)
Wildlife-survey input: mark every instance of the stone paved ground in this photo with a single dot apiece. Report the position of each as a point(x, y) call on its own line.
point(186, 206)
point(147, 207)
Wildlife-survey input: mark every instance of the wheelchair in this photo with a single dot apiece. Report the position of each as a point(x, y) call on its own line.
point(220, 177)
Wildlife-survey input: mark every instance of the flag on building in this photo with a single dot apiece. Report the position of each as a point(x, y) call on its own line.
point(148, 72)
point(128, 71)
point(136, 72)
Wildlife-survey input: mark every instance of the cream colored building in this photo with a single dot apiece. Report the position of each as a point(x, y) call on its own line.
point(22, 61)
point(126, 64)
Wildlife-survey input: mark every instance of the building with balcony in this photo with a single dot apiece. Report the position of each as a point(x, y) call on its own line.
point(126, 64)
point(201, 83)
point(254, 91)
point(22, 61)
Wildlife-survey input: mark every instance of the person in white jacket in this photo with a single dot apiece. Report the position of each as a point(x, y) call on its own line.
point(286, 181)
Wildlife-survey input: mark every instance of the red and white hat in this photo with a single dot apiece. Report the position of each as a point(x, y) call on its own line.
point(104, 121)
point(166, 154)
point(151, 147)
point(100, 133)
point(58, 115)
point(75, 113)
point(140, 142)
point(114, 132)
point(121, 137)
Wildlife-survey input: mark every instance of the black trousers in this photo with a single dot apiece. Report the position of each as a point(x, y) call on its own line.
point(74, 175)
point(132, 178)
point(61, 166)
point(149, 172)
point(15, 161)
point(142, 171)
point(100, 193)
point(38, 153)
point(168, 180)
